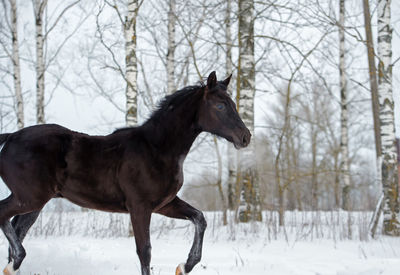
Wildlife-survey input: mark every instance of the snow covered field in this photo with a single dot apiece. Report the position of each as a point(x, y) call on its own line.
point(245, 249)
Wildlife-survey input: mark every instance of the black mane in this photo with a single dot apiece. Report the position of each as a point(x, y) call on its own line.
point(168, 103)
point(176, 99)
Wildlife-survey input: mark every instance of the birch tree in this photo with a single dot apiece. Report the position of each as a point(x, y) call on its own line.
point(15, 59)
point(171, 47)
point(43, 59)
point(344, 147)
point(131, 70)
point(16, 65)
point(126, 68)
point(38, 8)
point(228, 70)
point(250, 209)
point(389, 176)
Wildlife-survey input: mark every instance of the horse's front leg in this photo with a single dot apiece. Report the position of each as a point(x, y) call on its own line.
point(140, 218)
point(179, 209)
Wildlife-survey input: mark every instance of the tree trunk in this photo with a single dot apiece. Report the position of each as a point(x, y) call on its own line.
point(289, 204)
point(372, 78)
point(375, 108)
point(240, 202)
point(219, 184)
point(337, 178)
point(131, 63)
point(283, 134)
point(171, 47)
point(391, 225)
point(228, 69)
point(228, 38)
point(231, 177)
point(314, 179)
point(376, 216)
point(245, 98)
point(294, 155)
point(39, 7)
point(16, 65)
point(281, 201)
point(344, 165)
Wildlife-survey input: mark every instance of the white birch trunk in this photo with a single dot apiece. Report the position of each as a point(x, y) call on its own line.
point(228, 69)
point(389, 171)
point(16, 65)
point(245, 97)
point(344, 147)
point(171, 47)
point(228, 40)
point(131, 63)
point(39, 7)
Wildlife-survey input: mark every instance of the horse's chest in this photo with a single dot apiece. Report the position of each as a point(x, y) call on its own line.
point(176, 178)
point(173, 184)
point(179, 172)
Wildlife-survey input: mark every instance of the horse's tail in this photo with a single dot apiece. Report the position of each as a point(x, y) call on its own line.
point(3, 138)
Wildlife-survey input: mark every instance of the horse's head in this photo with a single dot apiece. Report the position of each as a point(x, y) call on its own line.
point(218, 114)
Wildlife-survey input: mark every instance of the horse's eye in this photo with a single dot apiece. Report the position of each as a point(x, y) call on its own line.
point(220, 106)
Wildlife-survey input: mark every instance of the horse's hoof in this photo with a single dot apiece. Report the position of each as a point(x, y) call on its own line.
point(180, 270)
point(9, 270)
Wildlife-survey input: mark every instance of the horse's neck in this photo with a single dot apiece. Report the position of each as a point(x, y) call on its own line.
point(172, 138)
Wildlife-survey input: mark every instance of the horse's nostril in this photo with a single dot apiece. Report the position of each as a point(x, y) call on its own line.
point(245, 140)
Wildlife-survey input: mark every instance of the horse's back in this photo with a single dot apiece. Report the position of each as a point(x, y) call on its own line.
point(92, 178)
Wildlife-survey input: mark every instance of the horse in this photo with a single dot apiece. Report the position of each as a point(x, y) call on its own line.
point(134, 170)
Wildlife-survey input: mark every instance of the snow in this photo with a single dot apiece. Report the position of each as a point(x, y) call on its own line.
point(242, 249)
point(81, 255)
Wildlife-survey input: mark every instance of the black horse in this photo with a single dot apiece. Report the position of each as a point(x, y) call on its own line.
point(134, 170)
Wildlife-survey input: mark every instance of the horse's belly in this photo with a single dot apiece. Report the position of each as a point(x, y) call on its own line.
point(94, 196)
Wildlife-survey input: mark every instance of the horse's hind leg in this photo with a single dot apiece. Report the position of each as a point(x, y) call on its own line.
point(21, 225)
point(16, 246)
point(8, 208)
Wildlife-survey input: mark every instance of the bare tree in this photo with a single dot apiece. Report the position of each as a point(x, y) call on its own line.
point(15, 59)
point(282, 185)
point(171, 47)
point(131, 69)
point(16, 65)
point(251, 209)
point(43, 29)
point(372, 76)
point(391, 208)
point(38, 8)
point(219, 183)
point(228, 70)
point(130, 74)
point(344, 147)
point(375, 104)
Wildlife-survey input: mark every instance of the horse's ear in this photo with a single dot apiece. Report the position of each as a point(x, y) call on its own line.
point(211, 80)
point(227, 80)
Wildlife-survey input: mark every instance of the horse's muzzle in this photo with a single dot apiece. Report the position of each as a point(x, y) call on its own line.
point(243, 140)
